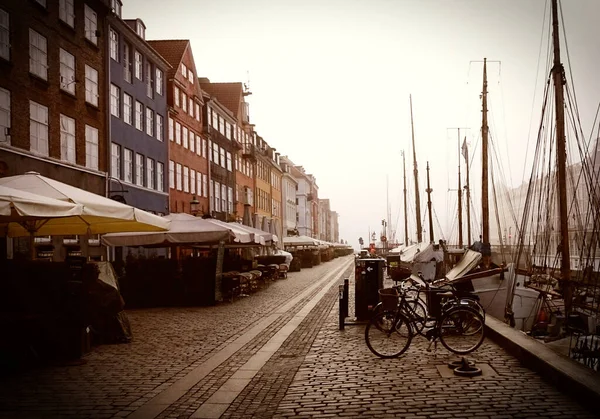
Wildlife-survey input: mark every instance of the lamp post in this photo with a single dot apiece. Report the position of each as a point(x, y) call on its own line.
point(194, 206)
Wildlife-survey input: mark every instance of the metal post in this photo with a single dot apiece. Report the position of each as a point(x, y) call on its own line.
point(341, 305)
point(346, 296)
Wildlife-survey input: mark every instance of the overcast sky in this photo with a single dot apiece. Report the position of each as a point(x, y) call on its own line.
point(331, 82)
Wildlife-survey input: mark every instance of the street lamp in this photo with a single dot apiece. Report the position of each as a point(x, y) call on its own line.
point(194, 206)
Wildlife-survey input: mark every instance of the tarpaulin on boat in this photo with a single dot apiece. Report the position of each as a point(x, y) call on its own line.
point(469, 260)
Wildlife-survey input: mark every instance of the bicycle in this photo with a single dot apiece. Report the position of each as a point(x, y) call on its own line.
point(458, 324)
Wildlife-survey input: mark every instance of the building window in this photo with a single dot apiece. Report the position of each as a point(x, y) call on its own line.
point(184, 102)
point(116, 7)
point(4, 35)
point(91, 85)
point(176, 94)
point(138, 65)
point(159, 81)
point(198, 145)
point(140, 30)
point(91, 147)
point(127, 61)
point(160, 177)
point(223, 163)
point(114, 45)
point(217, 195)
point(150, 122)
point(229, 161)
point(192, 181)
point(115, 160)
point(177, 133)
point(178, 176)
point(66, 12)
point(184, 136)
point(128, 165)
point(228, 130)
point(91, 25)
point(197, 112)
point(171, 137)
point(115, 104)
point(171, 174)
point(191, 104)
point(150, 175)
point(215, 153)
point(4, 115)
point(184, 70)
point(38, 128)
point(67, 71)
point(186, 179)
point(191, 76)
point(67, 139)
point(149, 90)
point(139, 114)
point(139, 169)
point(221, 125)
point(38, 54)
point(192, 142)
point(199, 184)
point(229, 199)
point(204, 148)
point(127, 112)
point(224, 198)
point(204, 185)
point(160, 127)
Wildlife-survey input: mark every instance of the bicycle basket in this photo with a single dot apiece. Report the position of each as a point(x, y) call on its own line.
point(389, 298)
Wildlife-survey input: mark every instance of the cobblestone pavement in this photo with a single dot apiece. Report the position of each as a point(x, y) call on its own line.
point(318, 371)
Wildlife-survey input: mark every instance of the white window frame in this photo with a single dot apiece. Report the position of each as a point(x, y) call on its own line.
point(171, 174)
point(67, 139)
point(5, 115)
point(217, 196)
point(192, 141)
point(67, 71)
point(114, 44)
point(159, 81)
point(115, 160)
point(204, 146)
point(150, 173)
point(184, 102)
point(4, 35)
point(198, 112)
point(149, 88)
point(127, 61)
point(176, 93)
point(177, 133)
point(128, 165)
point(38, 128)
point(66, 12)
point(160, 176)
point(198, 184)
point(191, 76)
point(192, 181)
point(115, 100)
point(186, 179)
point(149, 122)
point(91, 85)
point(91, 147)
point(91, 24)
point(139, 169)
point(184, 136)
point(198, 145)
point(204, 185)
point(139, 116)
point(138, 61)
point(184, 70)
point(229, 167)
point(38, 54)
point(191, 106)
point(127, 108)
point(160, 127)
point(224, 198)
point(178, 169)
point(171, 129)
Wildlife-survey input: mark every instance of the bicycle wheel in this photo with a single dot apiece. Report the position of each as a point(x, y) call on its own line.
point(461, 330)
point(388, 334)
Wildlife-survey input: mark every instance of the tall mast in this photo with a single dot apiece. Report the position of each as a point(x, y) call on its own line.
point(460, 220)
point(466, 156)
point(405, 213)
point(485, 211)
point(558, 74)
point(416, 173)
point(390, 235)
point(429, 190)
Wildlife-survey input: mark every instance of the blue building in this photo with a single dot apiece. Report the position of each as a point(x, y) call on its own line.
point(138, 117)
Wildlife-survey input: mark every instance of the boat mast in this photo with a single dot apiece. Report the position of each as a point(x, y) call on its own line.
point(485, 211)
point(466, 156)
point(405, 213)
point(416, 173)
point(558, 74)
point(460, 220)
point(429, 190)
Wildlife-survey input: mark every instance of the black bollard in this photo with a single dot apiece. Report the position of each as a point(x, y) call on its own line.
point(341, 298)
point(346, 297)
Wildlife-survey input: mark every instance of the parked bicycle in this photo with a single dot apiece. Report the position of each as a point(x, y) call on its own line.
point(457, 322)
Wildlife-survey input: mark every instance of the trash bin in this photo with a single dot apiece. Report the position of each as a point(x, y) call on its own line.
point(368, 279)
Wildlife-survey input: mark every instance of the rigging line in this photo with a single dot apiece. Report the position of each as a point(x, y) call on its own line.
point(439, 225)
point(562, 21)
point(498, 218)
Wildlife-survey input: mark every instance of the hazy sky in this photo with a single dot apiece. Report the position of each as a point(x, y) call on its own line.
point(331, 83)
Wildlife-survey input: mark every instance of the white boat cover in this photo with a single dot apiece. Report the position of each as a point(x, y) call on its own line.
point(469, 260)
point(397, 250)
point(421, 252)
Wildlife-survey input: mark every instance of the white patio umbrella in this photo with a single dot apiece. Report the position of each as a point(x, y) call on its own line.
point(184, 229)
point(241, 234)
point(300, 241)
point(264, 237)
point(99, 215)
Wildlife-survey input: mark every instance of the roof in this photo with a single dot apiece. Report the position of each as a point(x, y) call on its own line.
point(171, 50)
point(228, 94)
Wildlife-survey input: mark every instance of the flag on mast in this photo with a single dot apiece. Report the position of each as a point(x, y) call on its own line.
point(465, 150)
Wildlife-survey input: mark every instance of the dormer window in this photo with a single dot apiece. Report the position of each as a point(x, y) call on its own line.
point(140, 29)
point(116, 7)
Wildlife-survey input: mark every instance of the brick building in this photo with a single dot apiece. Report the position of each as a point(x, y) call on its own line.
point(138, 115)
point(188, 147)
point(53, 111)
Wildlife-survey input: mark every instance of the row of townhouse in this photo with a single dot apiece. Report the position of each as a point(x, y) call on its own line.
point(87, 100)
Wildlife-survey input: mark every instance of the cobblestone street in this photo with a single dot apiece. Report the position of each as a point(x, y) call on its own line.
point(277, 353)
